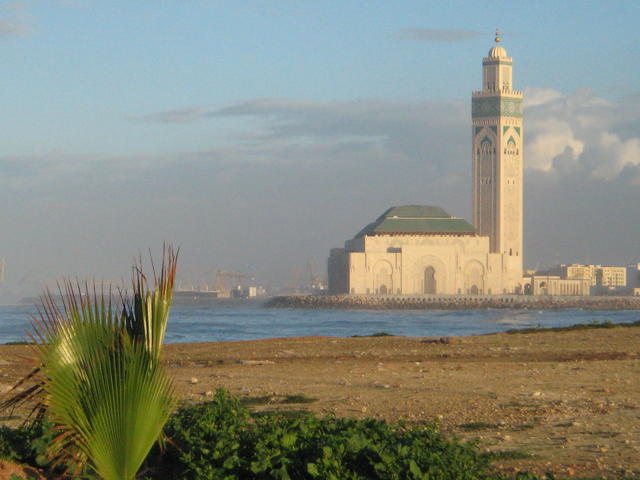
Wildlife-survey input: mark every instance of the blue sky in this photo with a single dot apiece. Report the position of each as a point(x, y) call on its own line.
point(243, 130)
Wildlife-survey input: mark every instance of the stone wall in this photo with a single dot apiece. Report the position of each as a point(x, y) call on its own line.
point(453, 302)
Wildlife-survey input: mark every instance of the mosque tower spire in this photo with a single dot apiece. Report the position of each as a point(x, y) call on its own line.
point(497, 156)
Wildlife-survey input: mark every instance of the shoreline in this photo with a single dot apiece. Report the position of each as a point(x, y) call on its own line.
point(453, 302)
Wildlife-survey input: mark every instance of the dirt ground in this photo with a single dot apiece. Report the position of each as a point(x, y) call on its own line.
point(563, 402)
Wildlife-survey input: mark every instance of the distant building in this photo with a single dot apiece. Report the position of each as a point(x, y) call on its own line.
point(579, 272)
point(601, 280)
point(633, 278)
point(554, 285)
point(613, 277)
point(416, 249)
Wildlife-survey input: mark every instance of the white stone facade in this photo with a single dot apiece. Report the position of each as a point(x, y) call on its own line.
point(422, 264)
point(484, 259)
point(497, 156)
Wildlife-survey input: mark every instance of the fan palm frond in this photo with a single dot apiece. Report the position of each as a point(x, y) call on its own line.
point(100, 379)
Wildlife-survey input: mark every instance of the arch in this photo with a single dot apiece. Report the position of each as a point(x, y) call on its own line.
point(543, 288)
point(382, 277)
point(527, 289)
point(430, 283)
point(418, 276)
point(473, 274)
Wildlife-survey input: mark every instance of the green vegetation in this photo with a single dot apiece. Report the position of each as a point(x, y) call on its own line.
point(221, 439)
point(377, 334)
point(579, 326)
point(98, 377)
point(277, 400)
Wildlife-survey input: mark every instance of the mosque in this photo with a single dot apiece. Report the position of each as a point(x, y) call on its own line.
point(416, 250)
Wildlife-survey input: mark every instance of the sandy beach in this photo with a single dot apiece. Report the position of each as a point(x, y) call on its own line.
point(564, 402)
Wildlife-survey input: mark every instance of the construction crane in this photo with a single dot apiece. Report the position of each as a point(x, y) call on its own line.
point(227, 280)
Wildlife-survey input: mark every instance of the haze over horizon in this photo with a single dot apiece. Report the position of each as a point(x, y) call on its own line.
point(257, 135)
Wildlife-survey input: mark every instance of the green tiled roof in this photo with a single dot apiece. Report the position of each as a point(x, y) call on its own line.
point(417, 220)
point(413, 211)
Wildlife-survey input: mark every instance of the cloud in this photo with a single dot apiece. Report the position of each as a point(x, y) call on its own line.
point(10, 27)
point(72, 3)
point(581, 132)
point(548, 141)
point(13, 6)
point(298, 177)
point(179, 115)
point(437, 35)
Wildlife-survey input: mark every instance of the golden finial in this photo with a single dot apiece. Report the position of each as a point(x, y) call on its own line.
point(497, 35)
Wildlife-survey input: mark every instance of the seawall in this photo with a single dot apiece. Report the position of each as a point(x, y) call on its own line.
point(453, 302)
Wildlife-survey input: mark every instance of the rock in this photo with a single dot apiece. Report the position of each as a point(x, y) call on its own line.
point(536, 394)
point(193, 380)
point(208, 393)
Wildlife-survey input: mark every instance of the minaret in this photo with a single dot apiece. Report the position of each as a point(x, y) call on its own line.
point(497, 156)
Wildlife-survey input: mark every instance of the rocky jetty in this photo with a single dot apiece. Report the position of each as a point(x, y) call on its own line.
point(453, 302)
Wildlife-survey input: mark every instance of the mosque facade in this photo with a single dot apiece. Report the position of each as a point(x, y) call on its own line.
point(417, 249)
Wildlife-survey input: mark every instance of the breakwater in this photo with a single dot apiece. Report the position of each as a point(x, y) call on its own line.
point(453, 302)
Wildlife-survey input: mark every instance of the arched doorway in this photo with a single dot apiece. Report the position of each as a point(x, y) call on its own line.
point(383, 279)
point(474, 278)
point(543, 288)
point(527, 289)
point(430, 283)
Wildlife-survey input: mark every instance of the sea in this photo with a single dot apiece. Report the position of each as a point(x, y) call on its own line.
point(235, 321)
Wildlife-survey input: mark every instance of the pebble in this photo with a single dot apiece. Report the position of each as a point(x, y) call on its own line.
point(193, 380)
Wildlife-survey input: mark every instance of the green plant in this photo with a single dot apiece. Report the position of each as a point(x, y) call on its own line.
point(594, 324)
point(376, 334)
point(27, 444)
point(221, 440)
point(99, 378)
point(268, 400)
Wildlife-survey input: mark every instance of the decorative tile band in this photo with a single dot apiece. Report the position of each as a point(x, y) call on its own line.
point(496, 107)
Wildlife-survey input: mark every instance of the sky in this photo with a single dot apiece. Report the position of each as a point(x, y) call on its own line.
point(258, 134)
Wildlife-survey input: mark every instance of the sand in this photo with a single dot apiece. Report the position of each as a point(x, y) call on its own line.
point(567, 402)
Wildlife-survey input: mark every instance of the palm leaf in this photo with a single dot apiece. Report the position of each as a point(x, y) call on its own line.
point(98, 372)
